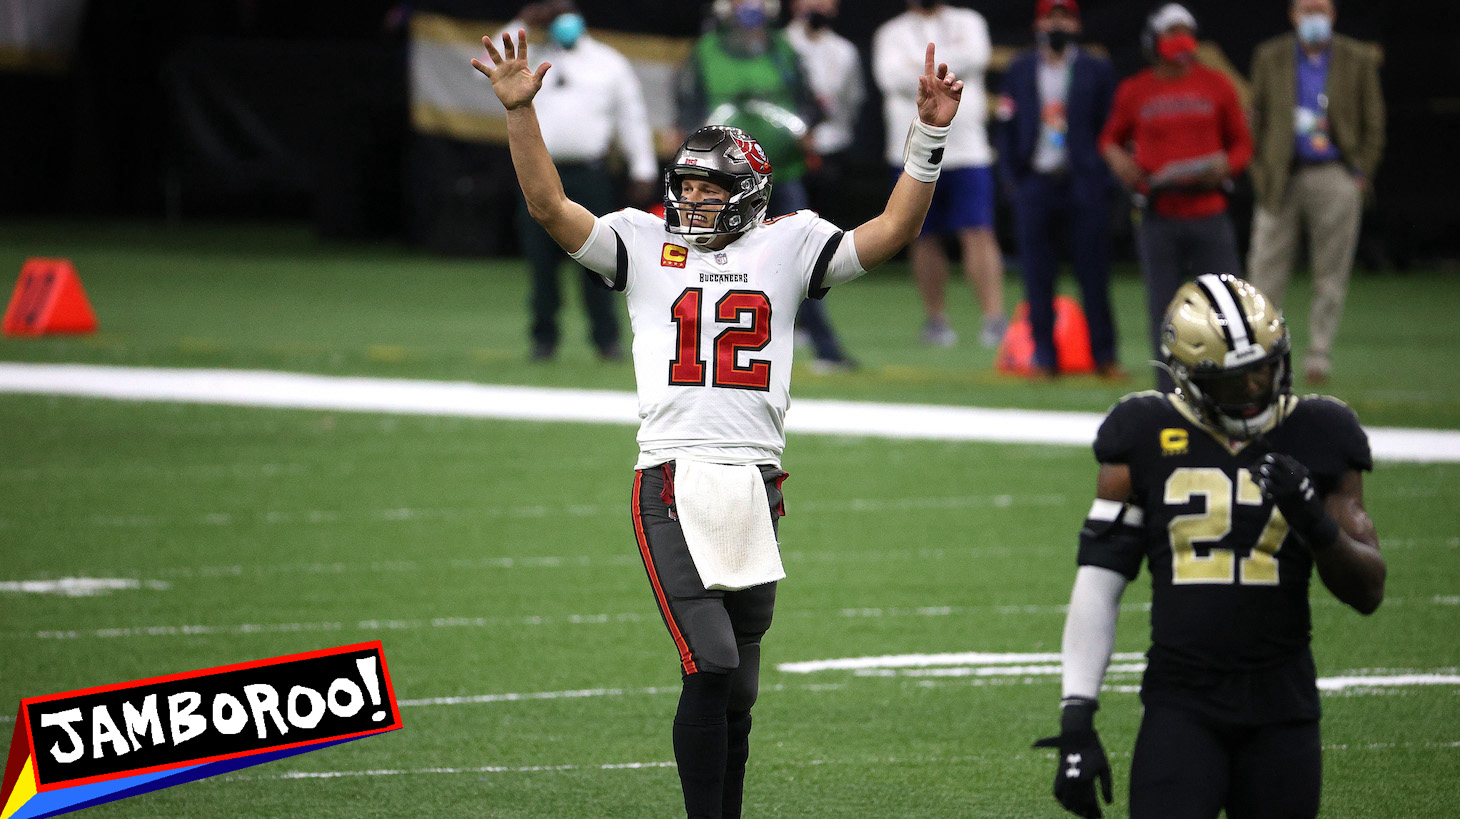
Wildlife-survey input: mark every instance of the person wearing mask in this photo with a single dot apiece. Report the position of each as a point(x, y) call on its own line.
point(1175, 137)
point(593, 103)
point(1055, 98)
point(834, 73)
point(745, 73)
point(963, 205)
point(1318, 132)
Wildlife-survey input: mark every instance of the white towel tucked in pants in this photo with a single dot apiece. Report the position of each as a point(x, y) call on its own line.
point(725, 517)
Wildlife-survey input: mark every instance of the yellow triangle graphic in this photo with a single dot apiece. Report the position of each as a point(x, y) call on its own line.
point(24, 789)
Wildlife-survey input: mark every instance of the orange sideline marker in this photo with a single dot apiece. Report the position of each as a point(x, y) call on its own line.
point(48, 298)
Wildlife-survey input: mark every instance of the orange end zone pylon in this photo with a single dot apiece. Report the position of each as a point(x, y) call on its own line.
point(48, 298)
point(1071, 341)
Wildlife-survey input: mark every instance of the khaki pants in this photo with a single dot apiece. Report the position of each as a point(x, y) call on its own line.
point(1327, 199)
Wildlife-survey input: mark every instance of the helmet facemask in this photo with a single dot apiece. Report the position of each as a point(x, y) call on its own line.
point(1241, 400)
point(724, 216)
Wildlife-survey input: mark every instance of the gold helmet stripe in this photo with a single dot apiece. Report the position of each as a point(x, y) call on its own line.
point(1239, 334)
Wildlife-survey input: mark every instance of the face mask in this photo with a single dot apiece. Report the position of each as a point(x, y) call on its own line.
point(566, 29)
point(1176, 48)
point(817, 21)
point(750, 16)
point(1055, 39)
point(1315, 28)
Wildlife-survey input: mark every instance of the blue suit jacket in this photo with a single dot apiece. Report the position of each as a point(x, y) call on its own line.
point(1092, 88)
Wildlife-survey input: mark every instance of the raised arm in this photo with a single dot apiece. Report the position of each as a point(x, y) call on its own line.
point(939, 93)
point(515, 84)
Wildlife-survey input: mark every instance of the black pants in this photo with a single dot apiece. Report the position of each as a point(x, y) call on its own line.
point(1043, 201)
point(591, 186)
point(1187, 766)
point(711, 628)
point(1176, 251)
point(717, 634)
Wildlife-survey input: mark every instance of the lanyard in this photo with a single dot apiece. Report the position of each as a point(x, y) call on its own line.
point(1326, 56)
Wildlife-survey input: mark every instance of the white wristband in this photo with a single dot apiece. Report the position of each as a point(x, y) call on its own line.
point(922, 156)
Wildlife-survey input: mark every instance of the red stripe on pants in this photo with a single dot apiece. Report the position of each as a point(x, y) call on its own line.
point(685, 659)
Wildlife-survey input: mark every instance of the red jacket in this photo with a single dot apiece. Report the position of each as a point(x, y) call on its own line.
point(1169, 120)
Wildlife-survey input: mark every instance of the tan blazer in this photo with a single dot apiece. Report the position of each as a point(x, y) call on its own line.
point(1355, 111)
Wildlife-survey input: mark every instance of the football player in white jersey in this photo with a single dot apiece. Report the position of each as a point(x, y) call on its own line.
point(712, 291)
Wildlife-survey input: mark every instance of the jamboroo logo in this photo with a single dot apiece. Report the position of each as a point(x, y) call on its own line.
point(82, 748)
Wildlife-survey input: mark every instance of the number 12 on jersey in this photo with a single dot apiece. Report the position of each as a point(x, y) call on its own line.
point(687, 368)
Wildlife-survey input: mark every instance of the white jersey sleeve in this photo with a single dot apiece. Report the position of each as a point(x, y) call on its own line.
point(844, 265)
point(606, 250)
point(825, 252)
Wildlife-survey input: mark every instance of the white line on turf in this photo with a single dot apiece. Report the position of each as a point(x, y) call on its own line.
point(989, 664)
point(559, 619)
point(793, 556)
point(586, 693)
point(778, 763)
point(81, 586)
point(1393, 681)
point(352, 394)
point(965, 658)
point(842, 505)
point(614, 766)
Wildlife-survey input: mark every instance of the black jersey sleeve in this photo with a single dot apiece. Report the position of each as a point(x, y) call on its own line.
point(1325, 434)
point(1119, 436)
point(1113, 536)
point(1338, 426)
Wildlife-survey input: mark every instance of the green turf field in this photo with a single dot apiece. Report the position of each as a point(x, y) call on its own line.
point(497, 558)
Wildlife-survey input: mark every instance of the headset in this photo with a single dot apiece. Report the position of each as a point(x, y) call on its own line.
point(1149, 33)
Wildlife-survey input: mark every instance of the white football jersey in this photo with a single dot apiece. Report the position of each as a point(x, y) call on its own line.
point(714, 329)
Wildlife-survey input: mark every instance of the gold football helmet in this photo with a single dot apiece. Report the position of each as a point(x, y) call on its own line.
point(1227, 348)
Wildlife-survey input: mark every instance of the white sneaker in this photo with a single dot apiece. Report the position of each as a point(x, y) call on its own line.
point(937, 333)
point(993, 331)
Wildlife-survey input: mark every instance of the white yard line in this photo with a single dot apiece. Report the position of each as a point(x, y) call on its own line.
point(1391, 681)
point(606, 618)
point(540, 511)
point(256, 388)
point(482, 769)
point(80, 586)
point(966, 658)
point(793, 763)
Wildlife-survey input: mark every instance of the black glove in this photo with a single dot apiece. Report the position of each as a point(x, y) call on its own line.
point(1081, 761)
point(1287, 483)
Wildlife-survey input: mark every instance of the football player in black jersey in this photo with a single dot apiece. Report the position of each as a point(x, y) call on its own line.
point(1232, 490)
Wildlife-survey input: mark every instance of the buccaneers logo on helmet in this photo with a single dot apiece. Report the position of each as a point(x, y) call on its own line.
point(753, 154)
